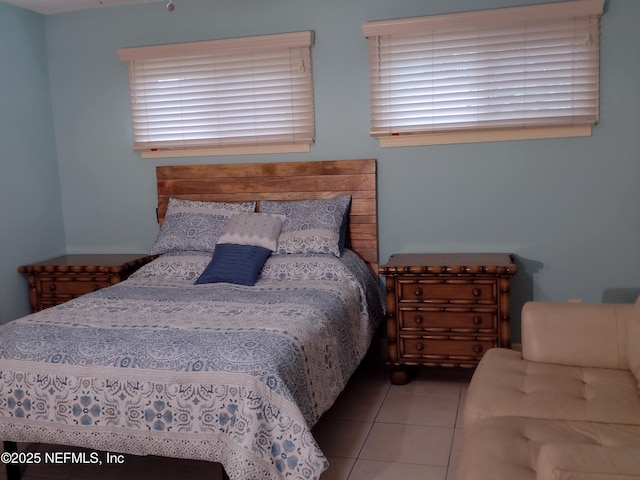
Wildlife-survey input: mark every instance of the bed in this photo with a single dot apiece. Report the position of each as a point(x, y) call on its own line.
point(230, 356)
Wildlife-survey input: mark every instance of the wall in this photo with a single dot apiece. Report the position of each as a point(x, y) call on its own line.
point(31, 214)
point(566, 207)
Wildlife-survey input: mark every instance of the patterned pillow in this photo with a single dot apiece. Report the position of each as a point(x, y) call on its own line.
point(195, 226)
point(232, 263)
point(312, 226)
point(259, 229)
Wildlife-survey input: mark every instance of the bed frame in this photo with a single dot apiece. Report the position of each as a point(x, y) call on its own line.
point(283, 181)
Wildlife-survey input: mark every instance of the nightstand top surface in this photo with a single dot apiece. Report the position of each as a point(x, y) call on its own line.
point(455, 263)
point(112, 262)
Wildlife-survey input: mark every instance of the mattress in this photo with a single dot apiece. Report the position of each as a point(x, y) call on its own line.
point(157, 365)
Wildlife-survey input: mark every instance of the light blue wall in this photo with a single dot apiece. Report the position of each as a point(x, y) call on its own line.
point(566, 207)
point(31, 225)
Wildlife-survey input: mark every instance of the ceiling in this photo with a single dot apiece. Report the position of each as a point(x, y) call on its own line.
point(47, 7)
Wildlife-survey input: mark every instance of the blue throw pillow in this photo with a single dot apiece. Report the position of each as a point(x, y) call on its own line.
point(233, 263)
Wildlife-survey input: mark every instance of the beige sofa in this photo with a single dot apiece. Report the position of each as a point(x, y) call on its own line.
point(567, 407)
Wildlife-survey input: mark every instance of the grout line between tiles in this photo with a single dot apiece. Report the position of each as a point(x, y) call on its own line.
point(455, 423)
point(386, 394)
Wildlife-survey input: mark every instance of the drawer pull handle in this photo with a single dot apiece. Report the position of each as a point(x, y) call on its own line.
point(52, 287)
point(477, 320)
point(477, 348)
point(418, 292)
point(476, 292)
point(419, 346)
point(418, 318)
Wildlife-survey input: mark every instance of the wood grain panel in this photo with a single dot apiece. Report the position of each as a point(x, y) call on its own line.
point(283, 181)
point(269, 185)
point(270, 169)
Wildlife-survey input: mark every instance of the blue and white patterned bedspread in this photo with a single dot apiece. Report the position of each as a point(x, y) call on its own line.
point(219, 372)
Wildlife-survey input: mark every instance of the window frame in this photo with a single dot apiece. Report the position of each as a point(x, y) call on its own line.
point(218, 67)
point(400, 30)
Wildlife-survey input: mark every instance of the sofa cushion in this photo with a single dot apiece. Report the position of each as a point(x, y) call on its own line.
point(572, 461)
point(633, 349)
point(504, 384)
point(579, 334)
point(509, 448)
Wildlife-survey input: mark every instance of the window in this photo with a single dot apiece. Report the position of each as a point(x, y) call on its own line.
point(520, 72)
point(243, 95)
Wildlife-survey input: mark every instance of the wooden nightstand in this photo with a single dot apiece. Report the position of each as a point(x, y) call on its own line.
point(58, 280)
point(445, 309)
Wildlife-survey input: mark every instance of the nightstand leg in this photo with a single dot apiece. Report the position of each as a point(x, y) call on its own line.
point(401, 374)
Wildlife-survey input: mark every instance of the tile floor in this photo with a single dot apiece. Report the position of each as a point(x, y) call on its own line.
point(375, 431)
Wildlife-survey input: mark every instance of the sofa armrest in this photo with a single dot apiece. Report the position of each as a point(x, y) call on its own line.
point(587, 462)
point(578, 334)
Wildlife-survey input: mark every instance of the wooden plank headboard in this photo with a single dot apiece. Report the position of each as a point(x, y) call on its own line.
point(283, 181)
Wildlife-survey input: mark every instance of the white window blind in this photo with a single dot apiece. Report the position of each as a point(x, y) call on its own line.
point(532, 67)
point(253, 91)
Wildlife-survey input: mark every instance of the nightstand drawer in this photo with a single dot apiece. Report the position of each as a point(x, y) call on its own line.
point(448, 320)
point(448, 291)
point(444, 348)
point(75, 287)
